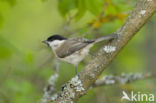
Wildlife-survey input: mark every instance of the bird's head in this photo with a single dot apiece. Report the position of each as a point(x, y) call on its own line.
point(54, 40)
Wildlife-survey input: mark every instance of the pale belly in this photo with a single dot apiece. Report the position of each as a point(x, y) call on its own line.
point(77, 56)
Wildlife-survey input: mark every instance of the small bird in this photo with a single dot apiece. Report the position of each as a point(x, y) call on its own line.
point(73, 50)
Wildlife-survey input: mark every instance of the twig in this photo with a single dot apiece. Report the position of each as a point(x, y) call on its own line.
point(122, 79)
point(49, 90)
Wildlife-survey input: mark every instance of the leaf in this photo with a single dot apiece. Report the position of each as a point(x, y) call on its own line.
point(96, 23)
point(81, 6)
point(111, 9)
point(64, 6)
point(94, 6)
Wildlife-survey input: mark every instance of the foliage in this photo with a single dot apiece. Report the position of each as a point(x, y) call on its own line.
point(11, 2)
point(65, 6)
point(93, 6)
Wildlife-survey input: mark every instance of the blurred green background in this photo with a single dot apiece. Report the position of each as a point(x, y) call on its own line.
point(26, 64)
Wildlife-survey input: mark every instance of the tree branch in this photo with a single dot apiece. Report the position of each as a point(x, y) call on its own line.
point(77, 87)
point(123, 79)
point(49, 90)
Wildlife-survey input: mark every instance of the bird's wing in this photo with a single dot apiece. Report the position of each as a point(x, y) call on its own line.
point(70, 46)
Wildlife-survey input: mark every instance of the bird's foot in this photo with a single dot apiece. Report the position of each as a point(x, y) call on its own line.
point(77, 75)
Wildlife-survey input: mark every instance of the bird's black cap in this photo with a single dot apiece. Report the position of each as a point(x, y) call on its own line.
point(56, 37)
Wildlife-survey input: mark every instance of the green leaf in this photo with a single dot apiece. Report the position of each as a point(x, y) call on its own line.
point(64, 6)
point(111, 9)
point(81, 6)
point(94, 6)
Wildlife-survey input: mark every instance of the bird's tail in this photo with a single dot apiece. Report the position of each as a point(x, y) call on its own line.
point(108, 37)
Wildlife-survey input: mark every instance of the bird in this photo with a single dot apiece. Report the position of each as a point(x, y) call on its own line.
point(73, 50)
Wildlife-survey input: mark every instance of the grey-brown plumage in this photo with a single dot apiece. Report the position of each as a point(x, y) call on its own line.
point(75, 45)
point(73, 50)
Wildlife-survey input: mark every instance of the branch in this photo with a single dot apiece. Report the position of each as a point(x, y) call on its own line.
point(78, 86)
point(50, 93)
point(123, 79)
point(49, 90)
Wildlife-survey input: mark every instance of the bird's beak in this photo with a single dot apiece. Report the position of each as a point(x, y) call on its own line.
point(46, 42)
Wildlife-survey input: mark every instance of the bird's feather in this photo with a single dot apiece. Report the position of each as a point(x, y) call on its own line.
point(72, 45)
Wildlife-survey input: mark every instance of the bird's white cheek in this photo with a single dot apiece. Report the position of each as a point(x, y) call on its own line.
point(55, 44)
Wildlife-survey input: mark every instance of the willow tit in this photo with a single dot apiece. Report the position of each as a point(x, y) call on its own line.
point(73, 50)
